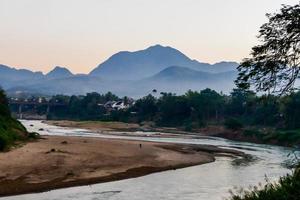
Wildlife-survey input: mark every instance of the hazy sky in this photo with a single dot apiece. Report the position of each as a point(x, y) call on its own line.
point(80, 34)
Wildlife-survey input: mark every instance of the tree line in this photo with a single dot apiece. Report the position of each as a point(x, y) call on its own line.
point(197, 109)
point(194, 109)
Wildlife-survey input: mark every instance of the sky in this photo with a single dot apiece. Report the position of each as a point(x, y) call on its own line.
point(80, 34)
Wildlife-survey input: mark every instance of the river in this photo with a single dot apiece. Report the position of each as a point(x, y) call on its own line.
point(210, 181)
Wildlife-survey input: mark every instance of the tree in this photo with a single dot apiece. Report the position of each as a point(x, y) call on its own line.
point(110, 97)
point(90, 105)
point(267, 111)
point(291, 110)
point(173, 110)
point(240, 102)
point(146, 107)
point(275, 63)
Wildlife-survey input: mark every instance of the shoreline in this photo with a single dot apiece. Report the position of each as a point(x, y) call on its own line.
point(55, 162)
point(211, 131)
point(59, 184)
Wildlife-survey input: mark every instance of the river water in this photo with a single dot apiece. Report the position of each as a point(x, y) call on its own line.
point(210, 181)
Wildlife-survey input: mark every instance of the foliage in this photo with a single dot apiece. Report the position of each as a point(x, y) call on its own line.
point(291, 110)
point(287, 188)
point(33, 135)
point(194, 110)
point(241, 102)
point(275, 63)
point(285, 137)
point(146, 108)
point(10, 129)
point(274, 136)
point(233, 124)
point(173, 110)
point(81, 107)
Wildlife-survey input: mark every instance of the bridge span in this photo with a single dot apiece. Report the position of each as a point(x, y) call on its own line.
point(20, 104)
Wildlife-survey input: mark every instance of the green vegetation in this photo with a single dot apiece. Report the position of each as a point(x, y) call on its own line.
point(81, 107)
point(273, 136)
point(274, 68)
point(274, 64)
point(265, 119)
point(240, 108)
point(287, 188)
point(233, 124)
point(10, 129)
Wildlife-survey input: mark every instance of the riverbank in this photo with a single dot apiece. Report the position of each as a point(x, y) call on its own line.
point(248, 134)
point(132, 128)
point(58, 161)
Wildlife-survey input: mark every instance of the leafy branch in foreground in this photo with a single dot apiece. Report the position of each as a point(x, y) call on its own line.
point(275, 63)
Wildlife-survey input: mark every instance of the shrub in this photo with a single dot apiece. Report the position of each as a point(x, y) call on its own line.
point(188, 126)
point(233, 124)
point(33, 135)
point(11, 130)
point(3, 142)
point(252, 132)
point(287, 188)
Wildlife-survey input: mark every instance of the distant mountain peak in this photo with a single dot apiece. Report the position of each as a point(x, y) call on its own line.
point(59, 72)
point(126, 65)
point(140, 64)
point(59, 68)
point(157, 46)
point(167, 49)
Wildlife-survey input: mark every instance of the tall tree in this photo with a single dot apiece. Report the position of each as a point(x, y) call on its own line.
point(274, 65)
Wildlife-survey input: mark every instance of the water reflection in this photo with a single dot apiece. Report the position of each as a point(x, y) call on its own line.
point(205, 182)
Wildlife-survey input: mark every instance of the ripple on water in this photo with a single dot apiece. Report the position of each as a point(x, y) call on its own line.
point(210, 181)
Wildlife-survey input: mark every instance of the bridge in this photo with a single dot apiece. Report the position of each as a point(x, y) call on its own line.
point(21, 103)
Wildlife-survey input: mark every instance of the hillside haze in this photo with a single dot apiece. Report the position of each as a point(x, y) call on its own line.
point(127, 73)
point(144, 63)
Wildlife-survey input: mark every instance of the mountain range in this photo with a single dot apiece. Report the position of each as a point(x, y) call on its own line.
point(144, 63)
point(132, 74)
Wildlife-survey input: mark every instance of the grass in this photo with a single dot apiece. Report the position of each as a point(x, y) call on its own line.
point(271, 136)
point(287, 188)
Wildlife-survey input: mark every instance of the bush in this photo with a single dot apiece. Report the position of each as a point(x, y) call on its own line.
point(33, 135)
point(287, 188)
point(233, 124)
point(252, 132)
point(11, 130)
point(3, 142)
point(188, 126)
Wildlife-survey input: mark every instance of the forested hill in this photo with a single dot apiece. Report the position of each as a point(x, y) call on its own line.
point(11, 130)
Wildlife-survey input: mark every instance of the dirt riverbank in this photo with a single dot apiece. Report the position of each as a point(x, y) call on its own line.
point(58, 161)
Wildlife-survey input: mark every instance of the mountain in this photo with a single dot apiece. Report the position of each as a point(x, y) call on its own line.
point(136, 65)
point(178, 80)
point(133, 74)
point(176, 73)
point(75, 85)
point(59, 72)
point(9, 76)
point(223, 66)
point(13, 74)
point(174, 79)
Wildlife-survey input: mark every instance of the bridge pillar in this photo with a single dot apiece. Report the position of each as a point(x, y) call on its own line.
point(20, 111)
point(48, 109)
